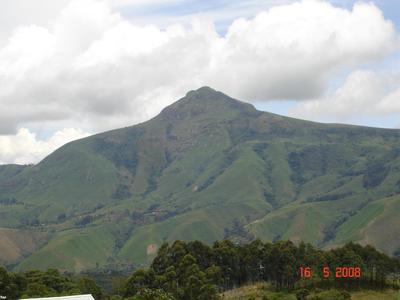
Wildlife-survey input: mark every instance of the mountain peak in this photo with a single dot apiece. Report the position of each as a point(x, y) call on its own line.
point(206, 100)
point(205, 90)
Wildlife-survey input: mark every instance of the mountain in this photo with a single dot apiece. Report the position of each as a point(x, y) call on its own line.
point(207, 167)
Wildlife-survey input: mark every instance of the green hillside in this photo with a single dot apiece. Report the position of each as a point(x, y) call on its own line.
point(207, 167)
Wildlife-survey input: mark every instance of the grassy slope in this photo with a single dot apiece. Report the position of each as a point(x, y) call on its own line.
point(207, 161)
point(9, 171)
point(15, 244)
point(376, 224)
point(72, 180)
point(76, 249)
point(195, 225)
point(257, 291)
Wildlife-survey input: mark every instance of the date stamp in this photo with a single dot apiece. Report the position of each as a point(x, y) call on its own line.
point(338, 272)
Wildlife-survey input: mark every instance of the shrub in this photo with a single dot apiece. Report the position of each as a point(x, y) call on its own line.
point(331, 295)
point(302, 294)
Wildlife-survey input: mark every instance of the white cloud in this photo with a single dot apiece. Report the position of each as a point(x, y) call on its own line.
point(26, 12)
point(94, 68)
point(391, 101)
point(142, 2)
point(363, 92)
point(25, 148)
point(29, 47)
point(291, 51)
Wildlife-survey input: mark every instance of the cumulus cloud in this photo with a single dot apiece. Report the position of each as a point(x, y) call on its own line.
point(25, 148)
point(363, 92)
point(290, 52)
point(22, 12)
point(92, 67)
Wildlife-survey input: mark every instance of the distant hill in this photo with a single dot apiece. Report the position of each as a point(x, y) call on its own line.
point(207, 167)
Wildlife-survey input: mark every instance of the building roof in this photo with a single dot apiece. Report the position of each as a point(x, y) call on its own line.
point(75, 297)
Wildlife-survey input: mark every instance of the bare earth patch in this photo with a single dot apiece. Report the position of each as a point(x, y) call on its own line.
point(14, 243)
point(151, 249)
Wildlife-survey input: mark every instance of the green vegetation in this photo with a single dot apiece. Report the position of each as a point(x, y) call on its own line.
point(208, 167)
point(35, 283)
point(261, 291)
point(196, 271)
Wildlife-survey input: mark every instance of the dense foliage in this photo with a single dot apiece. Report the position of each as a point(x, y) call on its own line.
point(193, 270)
point(196, 271)
point(48, 283)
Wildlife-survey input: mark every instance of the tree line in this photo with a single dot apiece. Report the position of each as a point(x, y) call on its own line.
point(196, 271)
point(48, 283)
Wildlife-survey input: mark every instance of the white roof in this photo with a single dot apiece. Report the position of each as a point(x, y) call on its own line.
point(76, 297)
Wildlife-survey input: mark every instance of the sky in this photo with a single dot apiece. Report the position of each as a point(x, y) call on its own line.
point(72, 68)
